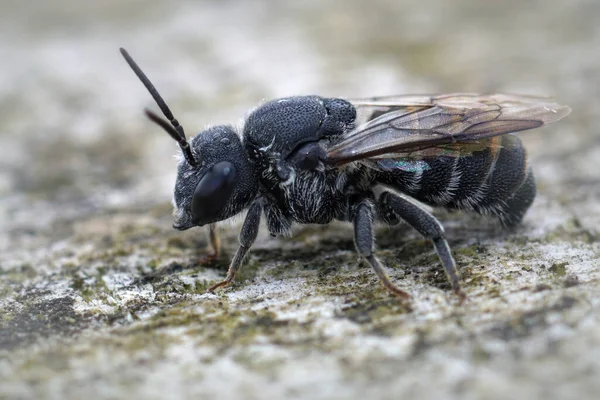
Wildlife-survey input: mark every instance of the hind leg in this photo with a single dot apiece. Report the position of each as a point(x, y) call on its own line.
point(427, 225)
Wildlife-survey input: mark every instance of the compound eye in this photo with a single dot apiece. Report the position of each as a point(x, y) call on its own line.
point(212, 192)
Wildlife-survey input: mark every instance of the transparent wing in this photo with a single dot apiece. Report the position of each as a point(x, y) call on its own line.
point(405, 124)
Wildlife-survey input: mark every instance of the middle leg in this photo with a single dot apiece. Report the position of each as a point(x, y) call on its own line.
point(363, 238)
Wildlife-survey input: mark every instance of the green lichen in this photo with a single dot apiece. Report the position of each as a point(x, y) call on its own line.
point(571, 232)
point(475, 252)
point(376, 310)
point(559, 269)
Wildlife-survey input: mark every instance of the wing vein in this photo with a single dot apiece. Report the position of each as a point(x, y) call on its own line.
point(404, 124)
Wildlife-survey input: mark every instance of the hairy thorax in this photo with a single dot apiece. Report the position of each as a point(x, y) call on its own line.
point(307, 197)
point(316, 197)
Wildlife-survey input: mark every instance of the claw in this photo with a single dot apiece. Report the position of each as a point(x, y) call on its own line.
point(218, 285)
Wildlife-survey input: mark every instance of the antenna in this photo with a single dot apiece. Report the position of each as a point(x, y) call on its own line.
point(172, 126)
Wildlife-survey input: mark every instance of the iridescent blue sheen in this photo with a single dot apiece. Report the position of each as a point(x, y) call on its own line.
point(404, 165)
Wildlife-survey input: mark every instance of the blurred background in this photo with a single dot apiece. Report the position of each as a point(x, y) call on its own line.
point(73, 138)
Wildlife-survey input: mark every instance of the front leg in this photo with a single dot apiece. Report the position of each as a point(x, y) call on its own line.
point(428, 226)
point(247, 238)
point(363, 238)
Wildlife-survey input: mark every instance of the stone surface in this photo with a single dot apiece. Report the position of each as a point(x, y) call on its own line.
point(100, 298)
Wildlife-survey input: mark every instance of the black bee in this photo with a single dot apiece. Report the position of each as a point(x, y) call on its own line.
point(305, 160)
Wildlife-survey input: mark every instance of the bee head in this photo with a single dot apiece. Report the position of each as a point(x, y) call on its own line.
point(215, 180)
point(221, 183)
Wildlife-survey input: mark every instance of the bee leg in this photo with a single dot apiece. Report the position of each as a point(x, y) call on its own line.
point(215, 240)
point(363, 238)
point(428, 226)
point(215, 245)
point(247, 237)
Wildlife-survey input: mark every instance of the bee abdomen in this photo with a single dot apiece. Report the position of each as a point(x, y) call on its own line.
point(517, 205)
point(509, 188)
point(495, 180)
point(506, 185)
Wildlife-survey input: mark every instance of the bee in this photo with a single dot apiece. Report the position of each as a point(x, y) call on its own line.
point(307, 160)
